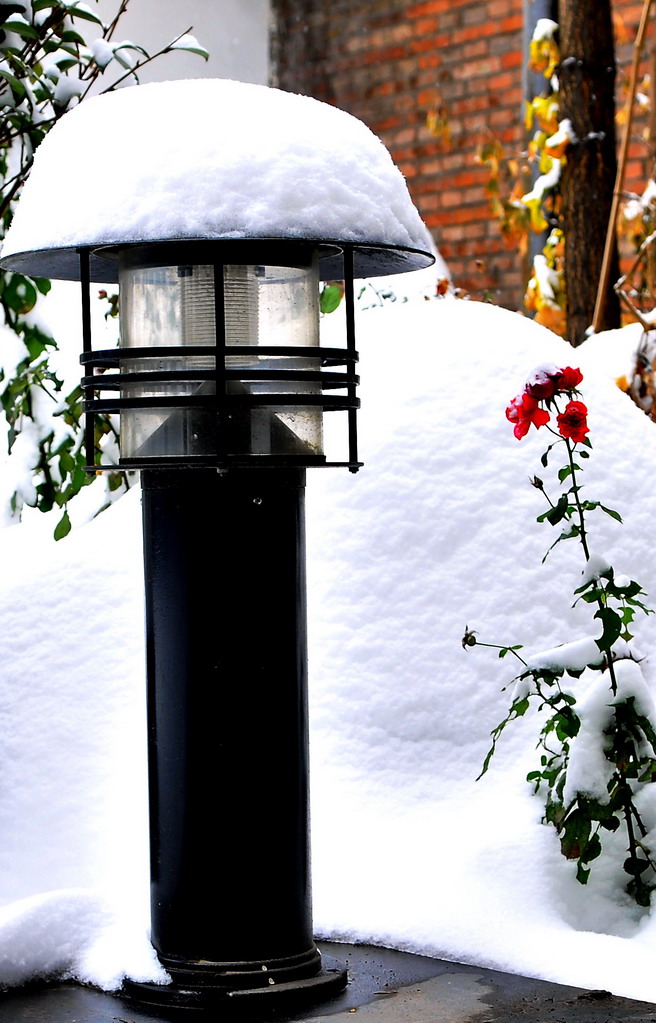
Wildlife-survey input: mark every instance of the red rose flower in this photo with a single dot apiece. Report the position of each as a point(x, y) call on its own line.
point(568, 379)
point(572, 423)
point(524, 410)
point(542, 384)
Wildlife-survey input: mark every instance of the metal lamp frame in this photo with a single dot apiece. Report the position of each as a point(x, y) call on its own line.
point(96, 380)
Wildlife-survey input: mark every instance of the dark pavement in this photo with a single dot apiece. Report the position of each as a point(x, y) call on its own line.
point(385, 986)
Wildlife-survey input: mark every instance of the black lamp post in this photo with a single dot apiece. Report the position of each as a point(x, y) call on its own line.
point(221, 384)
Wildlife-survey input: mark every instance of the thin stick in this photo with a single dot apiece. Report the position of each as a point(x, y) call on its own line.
point(600, 304)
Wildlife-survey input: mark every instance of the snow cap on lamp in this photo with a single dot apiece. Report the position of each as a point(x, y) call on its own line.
point(216, 160)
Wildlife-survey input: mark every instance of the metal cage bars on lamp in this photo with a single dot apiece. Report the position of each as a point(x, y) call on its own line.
point(219, 396)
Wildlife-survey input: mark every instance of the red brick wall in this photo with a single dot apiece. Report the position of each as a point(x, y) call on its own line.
point(398, 63)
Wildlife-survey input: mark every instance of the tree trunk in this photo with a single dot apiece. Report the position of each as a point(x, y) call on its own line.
point(587, 99)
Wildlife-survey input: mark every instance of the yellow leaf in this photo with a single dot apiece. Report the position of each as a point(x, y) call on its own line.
point(552, 317)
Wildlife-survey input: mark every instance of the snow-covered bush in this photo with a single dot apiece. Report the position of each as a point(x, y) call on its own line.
point(597, 752)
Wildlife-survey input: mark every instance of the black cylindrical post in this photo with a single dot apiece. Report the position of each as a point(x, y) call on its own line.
point(224, 556)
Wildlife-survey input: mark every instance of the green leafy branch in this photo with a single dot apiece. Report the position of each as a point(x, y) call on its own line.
point(628, 738)
point(46, 65)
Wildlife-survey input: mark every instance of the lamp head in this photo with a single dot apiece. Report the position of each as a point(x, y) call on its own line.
point(218, 207)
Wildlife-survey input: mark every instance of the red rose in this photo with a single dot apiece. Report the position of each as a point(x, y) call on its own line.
point(524, 410)
point(568, 379)
point(542, 384)
point(572, 423)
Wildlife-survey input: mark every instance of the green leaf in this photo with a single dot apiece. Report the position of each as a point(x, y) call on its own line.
point(592, 596)
point(69, 35)
point(19, 293)
point(66, 63)
point(21, 29)
point(122, 61)
point(592, 849)
point(635, 865)
point(131, 46)
point(545, 456)
point(610, 511)
point(84, 13)
point(17, 86)
point(193, 46)
point(35, 346)
point(647, 728)
point(42, 284)
point(330, 298)
point(566, 535)
point(567, 471)
point(66, 463)
point(612, 627)
point(517, 710)
point(507, 649)
point(566, 724)
point(559, 511)
point(63, 527)
point(640, 891)
point(576, 832)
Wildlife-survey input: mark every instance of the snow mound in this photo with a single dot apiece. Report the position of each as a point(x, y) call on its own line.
point(437, 532)
point(211, 158)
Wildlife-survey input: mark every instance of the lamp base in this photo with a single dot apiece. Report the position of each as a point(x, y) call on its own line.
point(276, 997)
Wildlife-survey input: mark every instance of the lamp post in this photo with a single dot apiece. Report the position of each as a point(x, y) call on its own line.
point(221, 383)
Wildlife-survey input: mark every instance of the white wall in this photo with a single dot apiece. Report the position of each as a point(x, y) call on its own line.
point(234, 31)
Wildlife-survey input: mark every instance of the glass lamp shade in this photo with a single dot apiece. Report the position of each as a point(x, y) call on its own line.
point(208, 361)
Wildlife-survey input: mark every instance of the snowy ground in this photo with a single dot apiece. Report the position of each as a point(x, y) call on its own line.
point(436, 532)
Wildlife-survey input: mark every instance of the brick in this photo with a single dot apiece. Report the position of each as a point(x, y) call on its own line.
point(478, 68)
point(500, 82)
point(385, 124)
point(433, 7)
point(475, 49)
point(497, 9)
point(513, 24)
point(384, 54)
point(430, 202)
point(383, 89)
point(425, 26)
point(422, 45)
point(512, 60)
point(475, 15)
point(427, 97)
point(471, 104)
point(427, 7)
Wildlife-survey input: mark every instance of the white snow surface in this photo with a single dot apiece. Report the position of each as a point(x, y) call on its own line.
point(211, 158)
point(544, 29)
point(437, 532)
point(576, 655)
